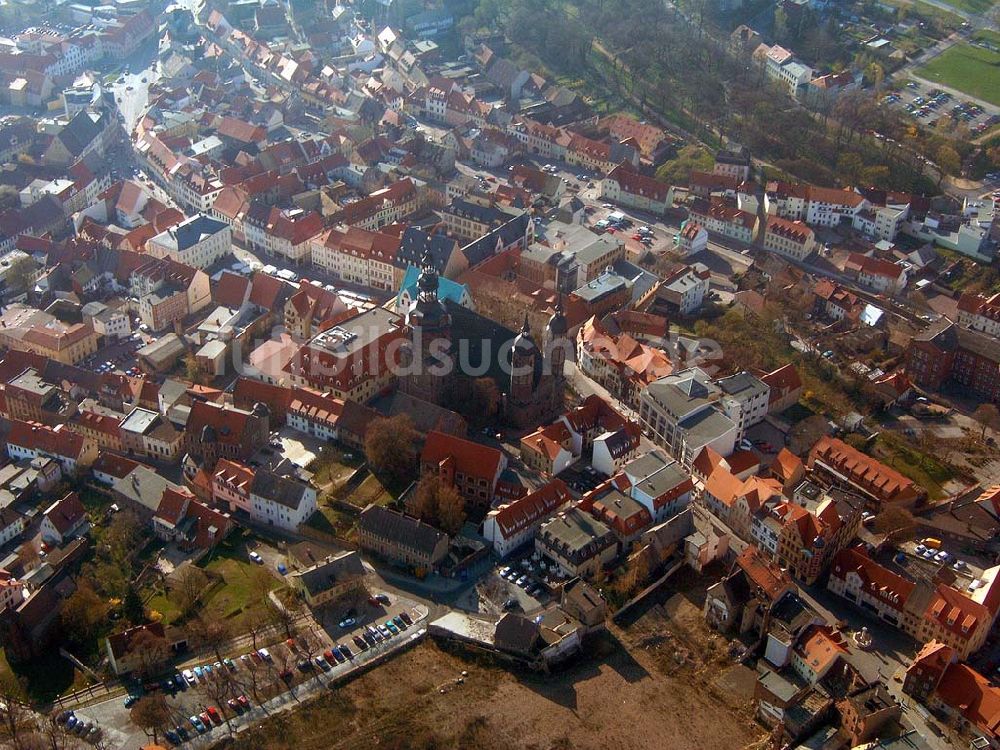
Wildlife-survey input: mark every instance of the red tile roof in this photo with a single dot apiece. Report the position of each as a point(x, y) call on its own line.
point(238, 130)
point(791, 230)
point(858, 263)
point(316, 407)
point(472, 459)
point(51, 440)
point(867, 473)
point(230, 290)
point(765, 575)
point(956, 612)
point(877, 581)
point(66, 513)
point(534, 507)
point(173, 505)
point(548, 440)
point(233, 473)
point(973, 696)
point(634, 183)
point(114, 465)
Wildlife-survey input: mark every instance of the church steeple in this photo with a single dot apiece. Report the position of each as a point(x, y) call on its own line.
point(427, 311)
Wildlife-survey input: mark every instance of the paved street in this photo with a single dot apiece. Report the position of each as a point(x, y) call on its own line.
point(888, 658)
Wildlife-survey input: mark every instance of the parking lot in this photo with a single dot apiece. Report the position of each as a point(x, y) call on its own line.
point(117, 356)
point(927, 103)
point(208, 697)
point(581, 477)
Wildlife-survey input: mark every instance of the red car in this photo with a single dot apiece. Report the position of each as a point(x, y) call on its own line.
point(243, 701)
point(213, 712)
point(206, 719)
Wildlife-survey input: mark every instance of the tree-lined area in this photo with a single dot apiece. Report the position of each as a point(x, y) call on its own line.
point(666, 65)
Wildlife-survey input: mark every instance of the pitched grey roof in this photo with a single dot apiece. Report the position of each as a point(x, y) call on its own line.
point(278, 489)
point(80, 131)
point(144, 486)
point(408, 532)
point(189, 233)
point(331, 571)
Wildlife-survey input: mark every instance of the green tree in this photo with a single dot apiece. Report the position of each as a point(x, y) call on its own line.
point(83, 611)
point(132, 607)
point(849, 167)
point(20, 274)
point(895, 523)
point(9, 197)
point(948, 161)
point(390, 447)
point(439, 504)
point(192, 370)
point(189, 584)
point(877, 176)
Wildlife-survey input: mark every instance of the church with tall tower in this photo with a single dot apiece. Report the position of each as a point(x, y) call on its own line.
point(448, 346)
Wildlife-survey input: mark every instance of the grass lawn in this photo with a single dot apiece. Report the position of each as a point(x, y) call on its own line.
point(922, 468)
point(235, 597)
point(371, 490)
point(968, 68)
point(331, 521)
point(971, 6)
point(990, 37)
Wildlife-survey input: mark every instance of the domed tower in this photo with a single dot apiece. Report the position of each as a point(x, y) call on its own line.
point(555, 341)
point(523, 357)
point(428, 349)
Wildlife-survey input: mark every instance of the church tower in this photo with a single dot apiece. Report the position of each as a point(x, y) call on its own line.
point(556, 343)
point(523, 358)
point(428, 354)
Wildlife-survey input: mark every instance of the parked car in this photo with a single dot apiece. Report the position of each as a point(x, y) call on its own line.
point(347, 622)
point(198, 724)
point(256, 558)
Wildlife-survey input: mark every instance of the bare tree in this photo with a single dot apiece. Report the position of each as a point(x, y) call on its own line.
point(15, 713)
point(895, 523)
point(988, 417)
point(218, 688)
point(212, 633)
point(188, 586)
point(151, 652)
point(151, 714)
point(282, 616)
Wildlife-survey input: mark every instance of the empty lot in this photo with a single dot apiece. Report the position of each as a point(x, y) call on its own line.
point(609, 701)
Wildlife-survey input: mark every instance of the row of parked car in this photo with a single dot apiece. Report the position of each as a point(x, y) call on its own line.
point(82, 728)
point(520, 579)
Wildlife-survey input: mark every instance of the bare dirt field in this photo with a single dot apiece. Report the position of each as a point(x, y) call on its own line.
point(633, 692)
